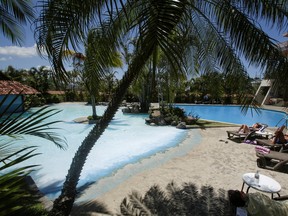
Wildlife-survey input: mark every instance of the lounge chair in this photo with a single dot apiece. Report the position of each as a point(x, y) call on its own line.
point(271, 145)
point(248, 135)
point(271, 160)
point(239, 135)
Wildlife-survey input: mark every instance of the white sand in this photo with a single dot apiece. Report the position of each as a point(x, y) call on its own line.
point(210, 162)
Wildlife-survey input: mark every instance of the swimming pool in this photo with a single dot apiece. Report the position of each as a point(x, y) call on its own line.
point(126, 140)
point(232, 114)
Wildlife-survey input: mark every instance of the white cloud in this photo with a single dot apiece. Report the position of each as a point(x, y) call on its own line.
point(6, 59)
point(23, 52)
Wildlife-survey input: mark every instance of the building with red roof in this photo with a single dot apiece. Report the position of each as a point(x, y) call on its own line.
point(12, 95)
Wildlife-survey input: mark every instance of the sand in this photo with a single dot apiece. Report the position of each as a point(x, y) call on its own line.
point(203, 158)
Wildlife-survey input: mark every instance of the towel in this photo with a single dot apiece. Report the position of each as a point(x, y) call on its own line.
point(262, 149)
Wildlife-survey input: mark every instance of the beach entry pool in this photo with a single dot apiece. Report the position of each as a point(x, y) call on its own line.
point(232, 114)
point(127, 139)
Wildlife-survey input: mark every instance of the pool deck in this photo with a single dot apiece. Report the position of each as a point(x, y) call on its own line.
point(216, 161)
point(276, 108)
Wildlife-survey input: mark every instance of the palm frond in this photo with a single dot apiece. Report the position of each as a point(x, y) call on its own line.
point(32, 123)
point(126, 208)
point(15, 14)
point(275, 12)
point(15, 196)
point(135, 206)
point(156, 200)
point(247, 38)
point(66, 23)
point(13, 158)
point(8, 109)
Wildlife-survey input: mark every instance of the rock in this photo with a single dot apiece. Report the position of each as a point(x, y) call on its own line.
point(174, 123)
point(156, 113)
point(126, 110)
point(162, 122)
point(181, 125)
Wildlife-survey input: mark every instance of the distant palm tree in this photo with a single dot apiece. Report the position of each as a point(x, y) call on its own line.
point(92, 73)
point(226, 28)
point(88, 64)
point(13, 15)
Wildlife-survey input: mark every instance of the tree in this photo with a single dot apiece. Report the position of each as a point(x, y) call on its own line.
point(14, 14)
point(39, 78)
point(224, 27)
point(91, 73)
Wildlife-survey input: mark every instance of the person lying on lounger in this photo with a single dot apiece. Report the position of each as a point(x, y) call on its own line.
point(279, 136)
point(258, 204)
point(245, 129)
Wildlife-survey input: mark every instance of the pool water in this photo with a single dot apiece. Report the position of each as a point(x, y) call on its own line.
point(233, 114)
point(127, 139)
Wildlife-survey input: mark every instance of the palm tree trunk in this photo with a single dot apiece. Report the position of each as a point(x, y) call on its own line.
point(64, 203)
point(93, 104)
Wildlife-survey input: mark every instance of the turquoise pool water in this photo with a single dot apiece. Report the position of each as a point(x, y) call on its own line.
point(126, 140)
point(233, 114)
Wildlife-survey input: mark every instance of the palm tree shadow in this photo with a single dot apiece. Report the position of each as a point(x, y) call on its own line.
point(89, 208)
point(54, 187)
point(184, 200)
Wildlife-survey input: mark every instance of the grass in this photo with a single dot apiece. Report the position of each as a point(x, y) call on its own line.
point(206, 123)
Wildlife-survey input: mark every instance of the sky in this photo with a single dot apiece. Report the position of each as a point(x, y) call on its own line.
point(26, 56)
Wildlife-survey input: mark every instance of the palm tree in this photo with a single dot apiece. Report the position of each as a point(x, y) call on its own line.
point(224, 27)
point(92, 74)
point(15, 14)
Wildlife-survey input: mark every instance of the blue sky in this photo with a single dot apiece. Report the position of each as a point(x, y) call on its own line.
point(26, 56)
point(23, 57)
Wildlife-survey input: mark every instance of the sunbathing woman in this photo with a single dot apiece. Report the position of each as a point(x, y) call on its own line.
point(279, 137)
point(245, 129)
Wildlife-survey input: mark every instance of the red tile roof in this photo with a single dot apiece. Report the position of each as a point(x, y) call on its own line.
point(15, 87)
point(56, 92)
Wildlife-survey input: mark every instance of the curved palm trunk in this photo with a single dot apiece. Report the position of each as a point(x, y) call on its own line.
point(64, 203)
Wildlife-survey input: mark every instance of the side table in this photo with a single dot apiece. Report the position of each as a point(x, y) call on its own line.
point(266, 184)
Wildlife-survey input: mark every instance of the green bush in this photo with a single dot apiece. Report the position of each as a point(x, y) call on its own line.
point(174, 112)
point(34, 100)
